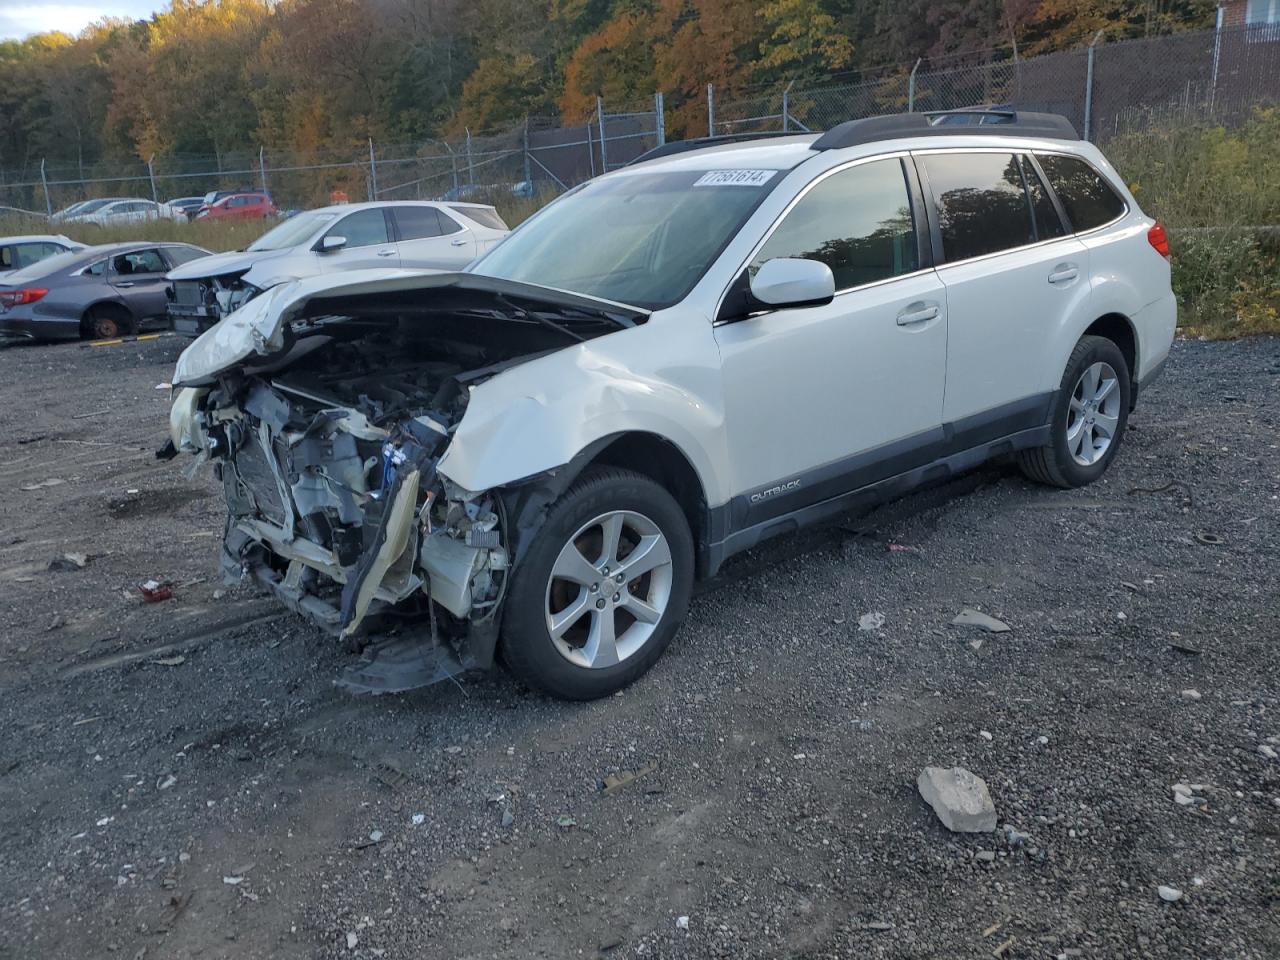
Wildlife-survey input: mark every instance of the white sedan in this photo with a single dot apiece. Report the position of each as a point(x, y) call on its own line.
point(120, 211)
point(415, 234)
point(19, 252)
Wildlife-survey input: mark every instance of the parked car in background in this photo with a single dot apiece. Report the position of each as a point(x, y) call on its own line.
point(420, 234)
point(115, 212)
point(17, 253)
point(92, 293)
point(238, 206)
point(184, 208)
point(82, 207)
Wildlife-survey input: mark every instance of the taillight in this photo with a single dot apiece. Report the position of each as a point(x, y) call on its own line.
point(16, 298)
point(1159, 240)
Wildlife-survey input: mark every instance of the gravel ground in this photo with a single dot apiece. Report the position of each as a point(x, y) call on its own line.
point(181, 779)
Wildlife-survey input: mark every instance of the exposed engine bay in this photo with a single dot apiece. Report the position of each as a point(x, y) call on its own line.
point(327, 451)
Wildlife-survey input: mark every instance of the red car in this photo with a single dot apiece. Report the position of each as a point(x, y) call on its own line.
point(238, 206)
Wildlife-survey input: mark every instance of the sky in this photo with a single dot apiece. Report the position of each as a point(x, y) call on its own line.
point(18, 18)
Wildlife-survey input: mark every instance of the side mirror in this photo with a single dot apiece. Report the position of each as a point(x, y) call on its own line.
point(331, 243)
point(792, 282)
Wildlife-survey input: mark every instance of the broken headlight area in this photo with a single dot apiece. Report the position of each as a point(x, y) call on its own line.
point(209, 297)
point(327, 455)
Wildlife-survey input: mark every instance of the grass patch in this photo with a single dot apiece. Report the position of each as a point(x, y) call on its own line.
point(1218, 192)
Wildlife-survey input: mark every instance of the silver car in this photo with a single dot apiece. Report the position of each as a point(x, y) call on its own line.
point(413, 234)
point(93, 293)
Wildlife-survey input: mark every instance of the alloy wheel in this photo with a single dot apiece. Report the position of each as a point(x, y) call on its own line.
point(608, 589)
point(1093, 416)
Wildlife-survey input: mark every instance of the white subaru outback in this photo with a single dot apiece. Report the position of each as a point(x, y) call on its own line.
point(537, 457)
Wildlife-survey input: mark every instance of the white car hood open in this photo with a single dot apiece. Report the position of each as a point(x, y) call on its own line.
point(220, 263)
point(259, 326)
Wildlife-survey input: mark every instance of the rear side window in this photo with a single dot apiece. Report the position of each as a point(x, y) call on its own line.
point(1086, 196)
point(180, 255)
point(483, 216)
point(417, 223)
point(858, 222)
point(1048, 223)
point(982, 205)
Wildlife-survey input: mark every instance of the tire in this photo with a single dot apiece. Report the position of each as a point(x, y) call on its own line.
point(107, 321)
point(1076, 453)
point(555, 626)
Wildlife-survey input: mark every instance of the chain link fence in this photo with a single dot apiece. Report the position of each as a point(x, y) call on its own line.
point(1107, 90)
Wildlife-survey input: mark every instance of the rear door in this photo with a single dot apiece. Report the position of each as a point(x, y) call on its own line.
point(431, 238)
point(139, 279)
point(1012, 274)
point(369, 242)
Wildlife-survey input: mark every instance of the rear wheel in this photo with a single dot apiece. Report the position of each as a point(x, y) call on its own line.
point(107, 321)
point(602, 588)
point(1090, 412)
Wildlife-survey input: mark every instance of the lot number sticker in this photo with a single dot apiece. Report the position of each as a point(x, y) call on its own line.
point(734, 178)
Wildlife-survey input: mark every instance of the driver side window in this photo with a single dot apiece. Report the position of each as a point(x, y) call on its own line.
point(362, 229)
point(857, 221)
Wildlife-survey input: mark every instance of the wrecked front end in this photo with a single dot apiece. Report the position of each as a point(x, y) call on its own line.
point(327, 435)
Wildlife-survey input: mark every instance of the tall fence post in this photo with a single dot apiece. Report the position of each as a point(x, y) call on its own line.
point(711, 112)
point(262, 166)
point(471, 163)
point(591, 152)
point(1217, 55)
point(660, 119)
point(911, 88)
point(1088, 86)
point(604, 159)
point(528, 174)
point(373, 173)
point(151, 175)
point(48, 205)
point(786, 112)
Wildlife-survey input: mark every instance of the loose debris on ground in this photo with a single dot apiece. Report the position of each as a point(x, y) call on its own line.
point(150, 750)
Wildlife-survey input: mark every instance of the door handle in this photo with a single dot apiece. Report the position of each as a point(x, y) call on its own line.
point(460, 242)
point(1064, 273)
point(125, 283)
point(386, 253)
point(917, 313)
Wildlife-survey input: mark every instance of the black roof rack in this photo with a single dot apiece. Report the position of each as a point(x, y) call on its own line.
point(699, 143)
point(946, 123)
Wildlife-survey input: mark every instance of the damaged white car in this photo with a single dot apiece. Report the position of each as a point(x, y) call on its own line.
point(669, 364)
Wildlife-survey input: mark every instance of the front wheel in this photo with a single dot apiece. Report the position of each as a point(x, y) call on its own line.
point(1090, 412)
point(602, 588)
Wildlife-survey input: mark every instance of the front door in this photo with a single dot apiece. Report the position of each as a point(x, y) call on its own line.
point(368, 242)
point(822, 400)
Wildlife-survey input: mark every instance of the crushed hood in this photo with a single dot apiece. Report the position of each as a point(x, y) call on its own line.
point(219, 263)
point(261, 326)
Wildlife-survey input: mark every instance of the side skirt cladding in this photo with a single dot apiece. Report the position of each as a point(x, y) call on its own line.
point(873, 476)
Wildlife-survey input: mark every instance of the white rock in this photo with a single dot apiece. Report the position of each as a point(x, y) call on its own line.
point(1190, 694)
point(682, 923)
point(975, 618)
point(1169, 894)
point(233, 881)
point(985, 734)
point(376, 836)
point(959, 798)
point(871, 621)
point(419, 819)
point(1268, 752)
point(352, 940)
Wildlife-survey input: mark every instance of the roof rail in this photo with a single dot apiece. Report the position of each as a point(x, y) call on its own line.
point(946, 123)
point(699, 143)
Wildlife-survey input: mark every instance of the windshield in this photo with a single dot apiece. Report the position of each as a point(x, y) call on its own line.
point(292, 232)
point(639, 239)
point(91, 205)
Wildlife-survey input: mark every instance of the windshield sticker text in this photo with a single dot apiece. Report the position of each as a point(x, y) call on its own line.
point(734, 178)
